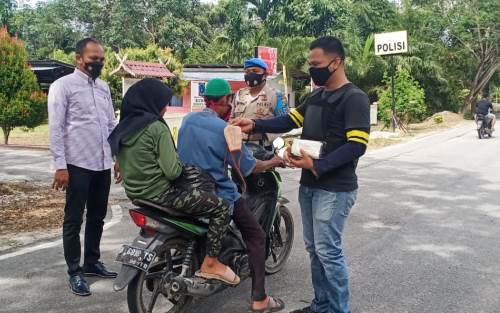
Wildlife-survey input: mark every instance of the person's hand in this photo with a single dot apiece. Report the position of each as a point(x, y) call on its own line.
point(61, 180)
point(287, 157)
point(305, 162)
point(278, 162)
point(118, 175)
point(245, 124)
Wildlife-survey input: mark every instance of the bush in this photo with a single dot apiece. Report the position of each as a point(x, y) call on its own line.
point(468, 115)
point(410, 99)
point(438, 119)
point(22, 104)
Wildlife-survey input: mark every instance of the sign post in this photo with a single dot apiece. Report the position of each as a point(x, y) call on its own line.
point(392, 44)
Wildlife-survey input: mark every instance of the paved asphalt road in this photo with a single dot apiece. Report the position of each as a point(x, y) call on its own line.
point(423, 237)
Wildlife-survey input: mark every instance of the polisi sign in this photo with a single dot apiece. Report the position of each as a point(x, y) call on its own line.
point(391, 43)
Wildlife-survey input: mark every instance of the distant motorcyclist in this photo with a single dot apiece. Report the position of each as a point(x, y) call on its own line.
point(485, 108)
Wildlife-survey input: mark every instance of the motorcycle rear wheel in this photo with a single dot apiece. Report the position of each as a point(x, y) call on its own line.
point(141, 290)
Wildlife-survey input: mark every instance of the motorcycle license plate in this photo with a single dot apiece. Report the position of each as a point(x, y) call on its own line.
point(136, 257)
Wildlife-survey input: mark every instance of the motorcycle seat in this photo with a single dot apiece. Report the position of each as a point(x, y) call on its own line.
point(168, 210)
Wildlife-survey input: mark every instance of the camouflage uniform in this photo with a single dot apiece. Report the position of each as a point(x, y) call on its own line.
point(262, 106)
point(200, 203)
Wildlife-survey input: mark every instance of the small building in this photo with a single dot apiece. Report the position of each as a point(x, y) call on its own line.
point(133, 71)
point(48, 71)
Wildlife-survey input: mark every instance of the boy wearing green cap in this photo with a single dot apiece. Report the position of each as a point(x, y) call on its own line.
point(202, 143)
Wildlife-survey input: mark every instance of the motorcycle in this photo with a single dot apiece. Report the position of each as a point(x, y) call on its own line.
point(159, 265)
point(484, 126)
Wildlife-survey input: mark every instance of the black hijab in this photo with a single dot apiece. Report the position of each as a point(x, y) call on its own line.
point(141, 106)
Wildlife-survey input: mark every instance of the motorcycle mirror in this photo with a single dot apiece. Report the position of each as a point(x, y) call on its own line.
point(278, 143)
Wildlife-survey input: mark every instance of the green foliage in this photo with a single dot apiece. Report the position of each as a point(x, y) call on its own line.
point(310, 18)
point(292, 51)
point(60, 55)
point(453, 43)
point(45, 28)
point(6, 8)
point(21, 102)
point(438, 119)
point(410, 104)
point(469, 116)
point(362, 66)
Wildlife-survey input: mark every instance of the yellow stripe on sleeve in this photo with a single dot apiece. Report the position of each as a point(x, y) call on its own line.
point(356, 139)
point(358, 133)
point(297, 115)
point(294, 119)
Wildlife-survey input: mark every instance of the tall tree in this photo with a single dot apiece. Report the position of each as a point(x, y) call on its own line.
point(473, 24)
point(239, 36)
point(6, 8)
point(306, 17)
point(262, 8)
point(45, 28)
point(21, 102)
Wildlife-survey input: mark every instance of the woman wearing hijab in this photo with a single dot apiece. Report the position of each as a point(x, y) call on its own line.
point(149, 165)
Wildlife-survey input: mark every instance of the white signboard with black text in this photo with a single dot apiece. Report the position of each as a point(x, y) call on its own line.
point(391, 43)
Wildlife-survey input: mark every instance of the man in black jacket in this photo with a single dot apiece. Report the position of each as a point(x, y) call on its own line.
point(337, 113)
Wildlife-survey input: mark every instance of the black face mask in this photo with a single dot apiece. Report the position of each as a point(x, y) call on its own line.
point(254, 79)
point(320, 75)
point(94, 69)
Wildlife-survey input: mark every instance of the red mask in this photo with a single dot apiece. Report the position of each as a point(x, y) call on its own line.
point(211, 105)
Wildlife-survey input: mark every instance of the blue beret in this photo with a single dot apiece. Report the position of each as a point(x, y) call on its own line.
point(255, 62)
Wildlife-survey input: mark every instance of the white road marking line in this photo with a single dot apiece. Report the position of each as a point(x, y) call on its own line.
point(116, 217)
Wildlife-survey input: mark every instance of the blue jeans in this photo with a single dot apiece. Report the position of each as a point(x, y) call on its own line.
point(323, 217)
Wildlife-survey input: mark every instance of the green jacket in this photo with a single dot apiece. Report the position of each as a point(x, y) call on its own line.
point(149, 162)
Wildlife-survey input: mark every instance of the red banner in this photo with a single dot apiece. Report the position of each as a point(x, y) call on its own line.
point(270, 56)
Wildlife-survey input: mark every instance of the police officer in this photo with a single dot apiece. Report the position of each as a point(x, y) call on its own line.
point(257, 100)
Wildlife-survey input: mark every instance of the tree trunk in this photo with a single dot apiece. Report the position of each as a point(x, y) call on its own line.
point(484, 73)
point(6, 133)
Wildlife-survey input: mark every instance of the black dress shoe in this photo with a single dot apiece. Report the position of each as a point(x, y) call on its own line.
point(78, 285)
point(99, 270)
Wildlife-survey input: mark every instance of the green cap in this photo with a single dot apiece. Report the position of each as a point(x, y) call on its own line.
point(217, 87)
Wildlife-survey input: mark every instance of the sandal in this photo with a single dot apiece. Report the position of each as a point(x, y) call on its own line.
point(274, 305)
point(235, 281)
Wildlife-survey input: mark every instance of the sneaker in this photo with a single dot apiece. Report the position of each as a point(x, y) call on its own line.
point(98, 269)
point(78, 285)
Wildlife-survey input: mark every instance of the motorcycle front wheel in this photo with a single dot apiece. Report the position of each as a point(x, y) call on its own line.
point(281, 241)
point(147, 292)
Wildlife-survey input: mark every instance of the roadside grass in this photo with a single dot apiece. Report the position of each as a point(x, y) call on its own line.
point(37, 137)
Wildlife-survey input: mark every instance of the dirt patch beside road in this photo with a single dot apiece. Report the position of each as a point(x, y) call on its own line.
point(442, 120)
point(30, 206)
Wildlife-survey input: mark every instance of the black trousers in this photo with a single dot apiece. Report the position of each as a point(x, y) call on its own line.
point(255, 239)
point(86, 189)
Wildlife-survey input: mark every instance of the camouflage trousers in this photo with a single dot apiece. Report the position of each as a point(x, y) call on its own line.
point(200, 203)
